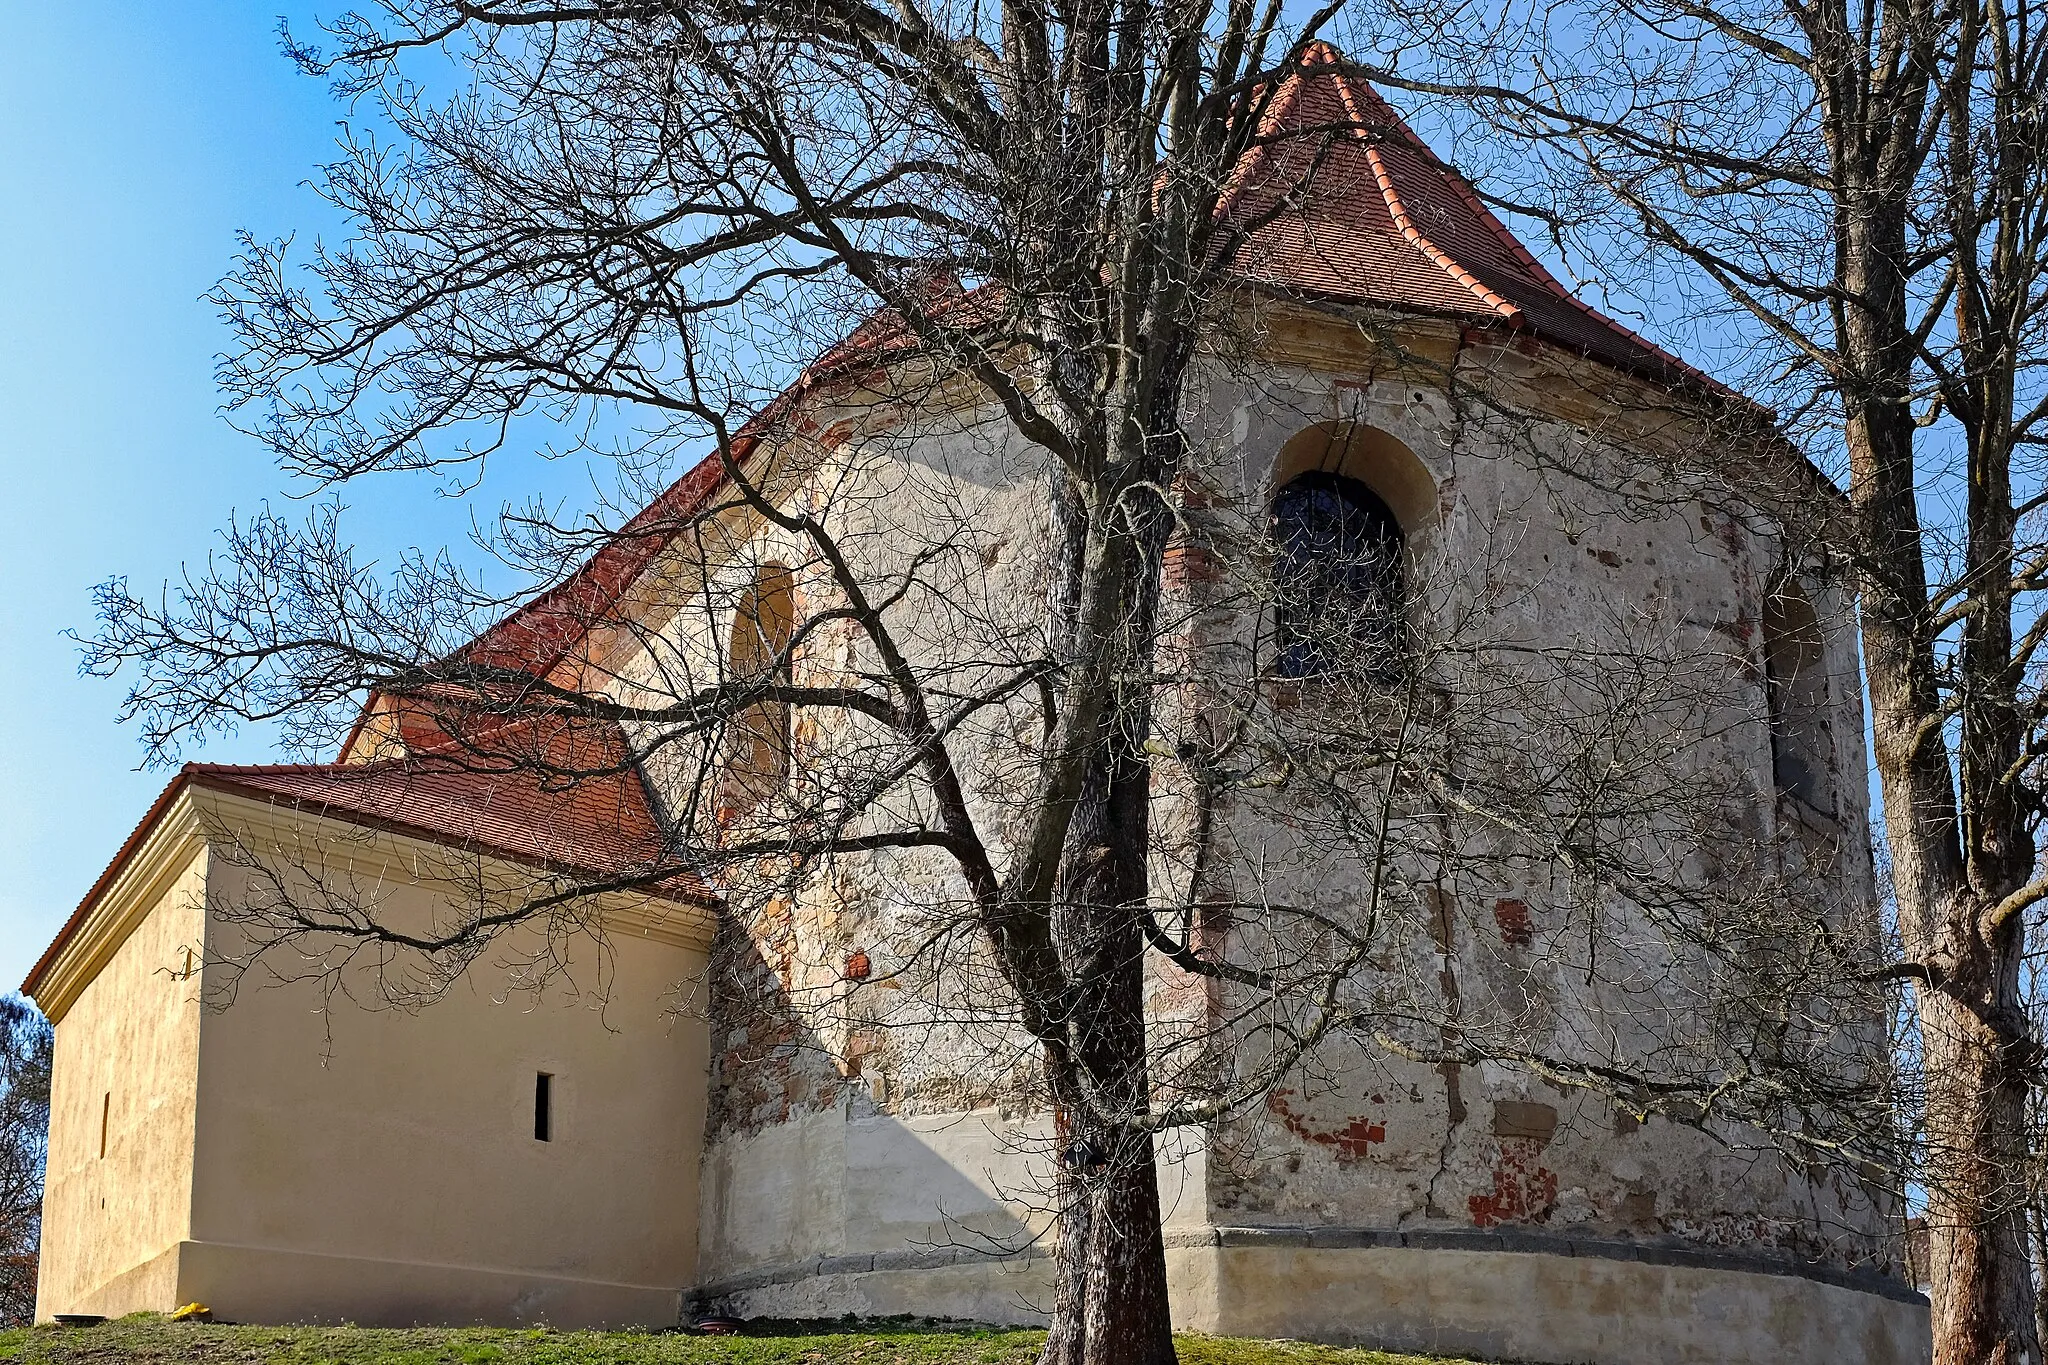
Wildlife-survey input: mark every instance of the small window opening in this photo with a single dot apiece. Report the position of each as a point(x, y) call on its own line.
point(1802, 741)
point(543, 1107)
point(758, 740)
point(106, 1112)
point(1339, 598)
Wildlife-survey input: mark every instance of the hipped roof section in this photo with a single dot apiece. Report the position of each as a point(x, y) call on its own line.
point(1343, 202)
point(555, 795)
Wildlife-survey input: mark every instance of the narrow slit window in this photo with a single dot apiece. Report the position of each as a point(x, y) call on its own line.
point(543, 1107)
point(106, 1112)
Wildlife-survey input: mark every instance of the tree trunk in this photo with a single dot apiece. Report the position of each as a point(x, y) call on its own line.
point(1128, 1319)
point(1944, 876)
point(1110, 1304)
point(1110, 1307)
point(1977, 1061)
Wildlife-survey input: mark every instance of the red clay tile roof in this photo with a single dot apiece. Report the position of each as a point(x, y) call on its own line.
point(538, 636)
point(599, 827)
point(1341, 201)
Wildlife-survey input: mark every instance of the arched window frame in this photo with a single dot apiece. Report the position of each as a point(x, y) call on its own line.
point(1799, 697)
point(1339, 551)
point(758, 738)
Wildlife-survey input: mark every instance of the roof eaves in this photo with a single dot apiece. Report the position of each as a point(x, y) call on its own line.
point(223, 777)
point(122, 856)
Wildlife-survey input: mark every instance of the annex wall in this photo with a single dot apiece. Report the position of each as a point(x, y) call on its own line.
point(117, 1205)
point(290, 1145)
point(374, 1165)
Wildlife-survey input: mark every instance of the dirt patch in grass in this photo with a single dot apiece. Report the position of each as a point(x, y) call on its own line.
point(149, 1340)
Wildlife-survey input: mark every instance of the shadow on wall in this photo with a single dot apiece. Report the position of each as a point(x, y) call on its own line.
point(802, 1162)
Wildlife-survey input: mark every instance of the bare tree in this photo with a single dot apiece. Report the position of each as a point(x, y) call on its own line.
point(25, 1043)
point(975, 613)
point(1853, 196)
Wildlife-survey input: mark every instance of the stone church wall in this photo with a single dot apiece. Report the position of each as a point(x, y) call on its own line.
point(877, 1143)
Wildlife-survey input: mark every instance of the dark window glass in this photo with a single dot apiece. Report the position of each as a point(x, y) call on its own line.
point(1337, 580)
point(543, 1107)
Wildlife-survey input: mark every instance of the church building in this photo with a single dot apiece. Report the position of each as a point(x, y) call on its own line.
point(585, 1128)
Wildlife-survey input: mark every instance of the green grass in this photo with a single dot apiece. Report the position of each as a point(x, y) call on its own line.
point(149, 1339)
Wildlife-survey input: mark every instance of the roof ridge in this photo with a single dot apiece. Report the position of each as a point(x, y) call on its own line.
point(475, 839)
point(1449, 264)
point(1245, 174)
point(1398, 210)
point(1503, 235)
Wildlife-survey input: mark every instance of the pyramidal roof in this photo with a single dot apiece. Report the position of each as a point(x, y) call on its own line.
point(1339, 200)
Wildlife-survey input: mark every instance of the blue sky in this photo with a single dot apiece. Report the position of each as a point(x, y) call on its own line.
point(135, 139)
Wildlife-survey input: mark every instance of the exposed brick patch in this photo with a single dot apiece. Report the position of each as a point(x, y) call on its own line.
point(1189, 564)
point(1517, 930)
point(1352, 1142)
point(1523, 1190)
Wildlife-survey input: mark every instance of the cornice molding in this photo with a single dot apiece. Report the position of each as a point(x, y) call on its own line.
point(173, 840)
point(198, 817)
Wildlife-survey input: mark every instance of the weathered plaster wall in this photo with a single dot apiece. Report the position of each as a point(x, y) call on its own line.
point(812, 1049)
point(1379, 1142)
point(126, 1063)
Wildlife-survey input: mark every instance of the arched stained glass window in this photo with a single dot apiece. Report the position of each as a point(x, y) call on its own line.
point(1338, 583)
